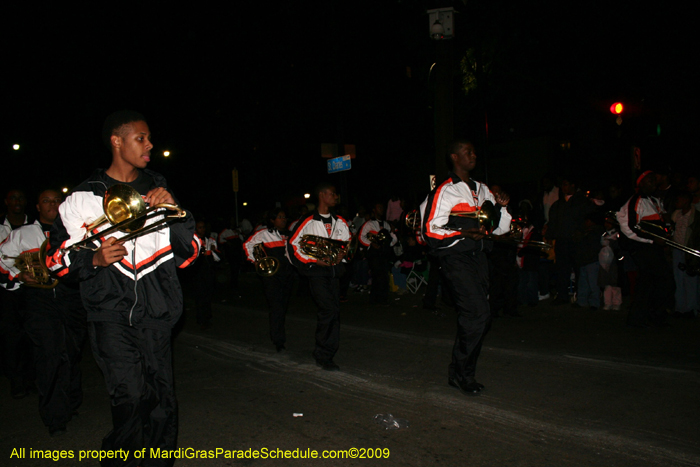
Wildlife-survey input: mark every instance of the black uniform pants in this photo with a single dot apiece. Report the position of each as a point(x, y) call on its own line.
point(278, 289)
point(379, 268)
point(205, 281)
point(326, 293)
point(467, 277)
point(55, 322)
point(15, 345)
point(565, 262)
point(655, 287)
point(138, 371)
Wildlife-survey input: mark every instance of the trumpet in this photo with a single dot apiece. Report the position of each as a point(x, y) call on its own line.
point(322, 248)
point(126, 211)
point(381, 238)
point(265, 266)
point(34, 264)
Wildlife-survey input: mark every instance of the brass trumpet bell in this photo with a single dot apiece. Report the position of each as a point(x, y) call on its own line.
point(34, 264)
point(121, 203)
point(265, 266)
point(413, 220)
point(485, 216)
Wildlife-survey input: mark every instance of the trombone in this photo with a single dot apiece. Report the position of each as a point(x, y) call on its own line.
point(671, 243)
point(485, 216)
point(612, 218)
point(126, 211)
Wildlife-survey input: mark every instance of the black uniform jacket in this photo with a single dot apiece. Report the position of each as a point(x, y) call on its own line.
point(142, 289)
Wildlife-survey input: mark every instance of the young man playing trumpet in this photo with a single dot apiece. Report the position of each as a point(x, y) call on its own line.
point(459, 245)
point(130, 291)
point(323, 273)
point(54, 317)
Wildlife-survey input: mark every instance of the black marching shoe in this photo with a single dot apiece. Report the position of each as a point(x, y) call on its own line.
point(328, 365)
point(467, 388)
point(57, 431)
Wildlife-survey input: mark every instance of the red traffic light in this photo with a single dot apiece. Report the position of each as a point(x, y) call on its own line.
point(616, 108)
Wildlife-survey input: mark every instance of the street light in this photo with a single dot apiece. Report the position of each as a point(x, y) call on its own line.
point(166, 153)
point(15, 147)
point(441, 23)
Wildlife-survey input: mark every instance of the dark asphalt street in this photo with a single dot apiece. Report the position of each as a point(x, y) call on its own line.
point(564, 387)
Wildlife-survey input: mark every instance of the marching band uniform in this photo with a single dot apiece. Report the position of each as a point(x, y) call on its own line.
point(132, 306)
point(6, 227)
point(231, 240)
point(323, 280)
point(205, 279)
point(55, 322)
point(378, 258)
point(16, 345)
point(655, 287)
point(464, 266)
point(278, 288)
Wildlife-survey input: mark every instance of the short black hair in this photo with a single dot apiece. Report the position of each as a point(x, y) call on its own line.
point(323, 186)
point(453, 148)
point(38, 195)
point(271, 215)
point(114, 122)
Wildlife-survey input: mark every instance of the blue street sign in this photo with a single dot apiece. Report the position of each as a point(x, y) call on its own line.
point(339, 164)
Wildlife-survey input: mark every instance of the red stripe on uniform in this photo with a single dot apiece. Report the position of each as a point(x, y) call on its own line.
point(428, 231)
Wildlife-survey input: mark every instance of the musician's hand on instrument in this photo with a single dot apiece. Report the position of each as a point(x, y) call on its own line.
point(502, 198)
point(109, 252)
point(26, 278)
point(659, 241)
point(159, 196)
point(475, 234)
point(320, 262)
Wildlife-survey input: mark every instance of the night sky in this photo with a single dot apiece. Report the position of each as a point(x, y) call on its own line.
point(260, 88)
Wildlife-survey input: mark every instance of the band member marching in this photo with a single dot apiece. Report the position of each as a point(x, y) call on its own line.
point(129, 288)
point(378, 239)
point(54, 318)
point(323, 273)
point(15, 345)
point(205, 274)
point(459, 245)
point(655, 287)
point(267, 248)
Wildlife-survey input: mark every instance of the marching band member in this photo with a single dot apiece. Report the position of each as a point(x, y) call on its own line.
point(654, 288)
point(378, 239)
point(278, 285)
point(16, 345)
point(205, 276)
point(323, 275)
point(231, 242)
point(130, 290)
point(54, 319)
point(462, 258)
